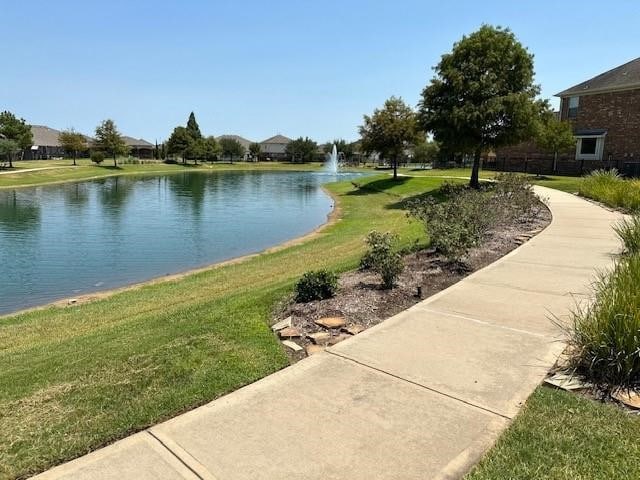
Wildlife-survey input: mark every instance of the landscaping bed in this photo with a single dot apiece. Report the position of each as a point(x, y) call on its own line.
point(361, 302)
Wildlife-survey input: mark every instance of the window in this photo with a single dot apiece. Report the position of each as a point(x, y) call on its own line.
point(572, 111)
point(588, 146)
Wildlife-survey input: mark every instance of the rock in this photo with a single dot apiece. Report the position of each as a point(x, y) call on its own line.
point(331, 322)
point(281, 324)
point(629, 398)
point(353, 329)
point(311, 349)
point(319, 337)
point(292, 345)
point(289, 332)
point(567, 382)
point(338, 338)
point(72, 301)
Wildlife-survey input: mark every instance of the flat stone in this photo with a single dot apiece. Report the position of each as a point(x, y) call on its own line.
point(292, 345)
point(338, 338)
point(319, 337)
point(353, 329)
point(331, 322)
point(567, 382)
point(311, 349)
point(629, 398)
point(282, 324)
point(289, 332)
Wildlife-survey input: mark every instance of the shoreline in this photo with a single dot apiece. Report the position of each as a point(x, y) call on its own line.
point(332, 218)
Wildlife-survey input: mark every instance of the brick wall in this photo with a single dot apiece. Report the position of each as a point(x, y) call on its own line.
point(619, 113)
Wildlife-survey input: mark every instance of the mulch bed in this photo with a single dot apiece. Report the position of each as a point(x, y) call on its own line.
point(363, 303)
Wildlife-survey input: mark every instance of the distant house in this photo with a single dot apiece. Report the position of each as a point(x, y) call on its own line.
point(45, 144)
point(605, 114)
point(138, 147)
point(275, 148)
point(243, 141)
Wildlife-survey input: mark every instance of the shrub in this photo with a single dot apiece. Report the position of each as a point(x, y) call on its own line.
point(97, 157)
point(608, 187)
point(316, 285)
point(629, 232)
point(381, 258)
point(605, 336)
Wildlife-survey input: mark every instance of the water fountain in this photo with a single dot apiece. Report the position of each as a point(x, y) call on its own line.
point(332, 163)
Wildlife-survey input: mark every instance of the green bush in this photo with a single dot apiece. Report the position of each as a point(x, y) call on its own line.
point(381, 258)
point(629, 232)
point(608, 187)
point(460, 221)
point(97, 157)
point(316, 285)
point(605, 336)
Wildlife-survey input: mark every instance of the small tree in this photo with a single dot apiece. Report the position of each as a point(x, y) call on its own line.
point(390, 131)
point(17, 130)
point(212, 149)
point(109, 140)
point(554, 136)
point(193, 128)
point(8, 148)
point(254, 150)
point(179, 143)
point(72, 142)
point(483, 95)
point(425, 152)
point(301, 149)
point(230, 147)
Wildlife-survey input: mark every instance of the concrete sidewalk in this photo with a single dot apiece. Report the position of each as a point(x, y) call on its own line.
point(420, 396)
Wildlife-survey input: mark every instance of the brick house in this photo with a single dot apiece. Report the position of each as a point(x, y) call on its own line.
point(605, 114)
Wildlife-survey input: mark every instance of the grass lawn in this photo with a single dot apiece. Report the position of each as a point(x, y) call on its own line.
point(562, 436)
point(76, 378)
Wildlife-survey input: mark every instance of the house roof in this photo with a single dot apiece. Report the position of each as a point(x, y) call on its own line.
point(620, 78)
point(243, 141)
point(136, 142)
point(45, 136)
point(280, 139)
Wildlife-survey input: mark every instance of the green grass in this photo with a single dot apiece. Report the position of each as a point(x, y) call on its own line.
point(562, 436)
point(76, 378)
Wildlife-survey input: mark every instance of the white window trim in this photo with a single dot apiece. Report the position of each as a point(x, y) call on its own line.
point(599, 147)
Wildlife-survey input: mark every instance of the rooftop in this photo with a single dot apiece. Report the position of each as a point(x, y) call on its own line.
point(620, 78)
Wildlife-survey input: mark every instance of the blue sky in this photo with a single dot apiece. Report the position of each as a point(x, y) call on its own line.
point(257, 68)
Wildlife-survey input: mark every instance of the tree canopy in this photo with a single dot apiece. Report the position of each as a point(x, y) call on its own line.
point(425, 151)
point(16, 130)
point(193, 128)
point(72, 142)
point(230, 148)
point(254, 150)
point(301, 149)
point(483, 95)
point(179, 142)
point(390, 130)
point(109, 140)
point(342, 146)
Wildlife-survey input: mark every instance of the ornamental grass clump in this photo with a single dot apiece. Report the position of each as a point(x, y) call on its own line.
point(605, 336)
point(629, 232)
point(608, 187)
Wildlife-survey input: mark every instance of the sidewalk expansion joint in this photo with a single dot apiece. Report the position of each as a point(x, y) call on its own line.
point(433, 390)
point(164, 445)
point(528, 290)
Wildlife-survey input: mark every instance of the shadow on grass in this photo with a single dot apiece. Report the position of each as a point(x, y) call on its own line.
point(378, 186)
point(404, 203)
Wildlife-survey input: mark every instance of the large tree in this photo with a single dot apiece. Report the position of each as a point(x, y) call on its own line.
point(483, 95)
point(179, 143)
point(16, 130)
point(109, 140)
point(230, 148)
point(193, 128)
point(72, 142)
point(212, 149)
point(301, 149)
point(390, 131)
point(8, 148)
point(254, 150)
point(554, 136)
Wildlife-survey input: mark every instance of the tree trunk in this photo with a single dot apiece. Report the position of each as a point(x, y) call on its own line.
point(395, 168)
point(75, 155)
point(115, 164)
point(474, 182)
point(10, 157)
point(555, 161)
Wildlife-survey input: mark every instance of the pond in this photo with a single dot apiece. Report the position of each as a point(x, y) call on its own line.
point(63, 240)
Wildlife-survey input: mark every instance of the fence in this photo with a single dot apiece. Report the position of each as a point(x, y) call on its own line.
point(544, 165)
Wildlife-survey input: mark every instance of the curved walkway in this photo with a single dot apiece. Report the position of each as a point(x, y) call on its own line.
point(420, 396)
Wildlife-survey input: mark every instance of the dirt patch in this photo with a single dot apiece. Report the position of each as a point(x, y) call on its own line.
point(363, 303)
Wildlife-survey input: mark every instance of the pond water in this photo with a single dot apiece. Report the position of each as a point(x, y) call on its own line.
point(63, 240)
